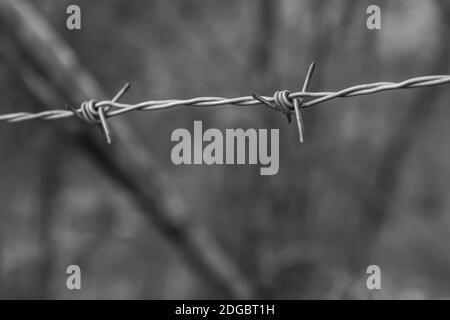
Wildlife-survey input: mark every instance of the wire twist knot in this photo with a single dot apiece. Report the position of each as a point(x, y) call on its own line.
point(89, 111)
point(283, 103)
point(95, 112)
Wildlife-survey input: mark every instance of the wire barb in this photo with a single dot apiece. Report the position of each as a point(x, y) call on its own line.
point(105, 126)
point(299, 101)
point(282, 101)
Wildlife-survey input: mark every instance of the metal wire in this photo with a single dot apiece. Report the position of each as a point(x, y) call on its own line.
point(98, 112)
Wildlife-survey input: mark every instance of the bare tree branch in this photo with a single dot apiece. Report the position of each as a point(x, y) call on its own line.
point(127, 161)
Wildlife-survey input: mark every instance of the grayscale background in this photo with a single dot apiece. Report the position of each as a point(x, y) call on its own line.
point(370, 185)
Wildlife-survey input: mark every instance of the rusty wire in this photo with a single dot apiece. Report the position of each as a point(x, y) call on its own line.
point(283, 101)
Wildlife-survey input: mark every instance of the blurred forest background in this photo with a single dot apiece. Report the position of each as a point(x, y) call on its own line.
point(369, 186)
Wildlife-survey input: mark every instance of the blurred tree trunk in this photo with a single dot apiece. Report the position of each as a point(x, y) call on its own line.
point(262, 50)
point(329, 39)
point(261, 57)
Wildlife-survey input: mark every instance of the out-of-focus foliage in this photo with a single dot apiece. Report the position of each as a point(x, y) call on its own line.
point(370, 186)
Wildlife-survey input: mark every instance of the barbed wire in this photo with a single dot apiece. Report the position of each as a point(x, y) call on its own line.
point(97, 112)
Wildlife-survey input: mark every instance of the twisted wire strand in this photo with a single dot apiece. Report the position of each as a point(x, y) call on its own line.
point(113, 108)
